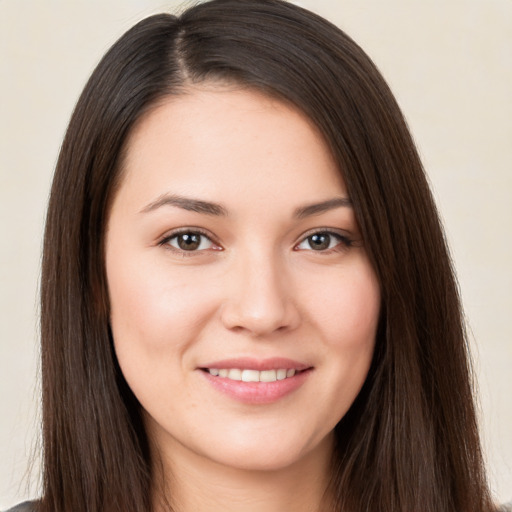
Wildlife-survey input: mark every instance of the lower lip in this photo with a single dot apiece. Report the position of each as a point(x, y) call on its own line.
point(257, 392)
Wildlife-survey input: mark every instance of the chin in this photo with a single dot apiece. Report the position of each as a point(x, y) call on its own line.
point(260, 461)
point(269, 453)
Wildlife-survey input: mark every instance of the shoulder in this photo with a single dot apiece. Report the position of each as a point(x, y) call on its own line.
point(26, 506)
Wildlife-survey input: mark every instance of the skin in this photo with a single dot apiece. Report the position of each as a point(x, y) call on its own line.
point(256, 286)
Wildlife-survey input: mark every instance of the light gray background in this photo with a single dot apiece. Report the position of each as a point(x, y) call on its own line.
point(450, 66)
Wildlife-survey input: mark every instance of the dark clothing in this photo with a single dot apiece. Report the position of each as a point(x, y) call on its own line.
point(26, 506)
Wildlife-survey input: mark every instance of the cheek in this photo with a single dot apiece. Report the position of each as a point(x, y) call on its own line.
point(347, 308)
point(156, 316)
point(346, 316)
point(154, 310)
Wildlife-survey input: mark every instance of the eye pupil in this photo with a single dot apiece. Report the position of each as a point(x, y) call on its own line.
point(189, 241)
point(319, 241)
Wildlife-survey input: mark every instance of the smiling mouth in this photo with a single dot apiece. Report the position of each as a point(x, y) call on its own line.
point(256, 382)
point(247, 375)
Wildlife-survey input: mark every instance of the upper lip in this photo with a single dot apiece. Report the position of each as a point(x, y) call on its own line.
point(249, 363)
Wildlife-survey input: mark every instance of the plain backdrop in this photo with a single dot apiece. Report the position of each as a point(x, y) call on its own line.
point(449, 64)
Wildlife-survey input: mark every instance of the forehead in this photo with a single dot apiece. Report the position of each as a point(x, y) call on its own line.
point(230, 144)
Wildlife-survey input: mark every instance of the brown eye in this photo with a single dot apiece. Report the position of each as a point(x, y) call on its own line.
point(324, 241)
point(319, 241)
point(189, 241)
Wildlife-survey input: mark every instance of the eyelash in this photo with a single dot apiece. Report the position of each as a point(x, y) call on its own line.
point(344, 241)
point(186, 231)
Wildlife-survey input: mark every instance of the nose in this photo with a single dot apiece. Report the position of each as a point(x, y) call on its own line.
point(260, 299)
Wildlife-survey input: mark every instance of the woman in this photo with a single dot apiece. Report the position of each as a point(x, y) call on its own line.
point(247, 301)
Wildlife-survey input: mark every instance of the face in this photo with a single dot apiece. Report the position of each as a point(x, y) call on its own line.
point(243, 306)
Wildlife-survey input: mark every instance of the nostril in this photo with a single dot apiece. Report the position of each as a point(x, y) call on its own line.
point(258, 316)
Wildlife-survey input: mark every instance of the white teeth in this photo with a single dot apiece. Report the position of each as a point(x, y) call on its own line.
point(268, 376)
point(281, 374)
point(235, 374)
point(253, 375)
point(250, 375)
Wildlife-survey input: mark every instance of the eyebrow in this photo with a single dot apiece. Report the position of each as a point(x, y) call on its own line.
point(324, 206)
point(186, 203)
point(209, 208)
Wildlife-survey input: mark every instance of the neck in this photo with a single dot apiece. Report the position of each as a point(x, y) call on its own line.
point(195, 484)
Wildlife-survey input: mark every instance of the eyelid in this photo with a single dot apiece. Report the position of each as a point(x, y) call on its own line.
point(163, 241)
point(346, 239)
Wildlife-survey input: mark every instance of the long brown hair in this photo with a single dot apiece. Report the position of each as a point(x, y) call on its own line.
point(410, 442)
